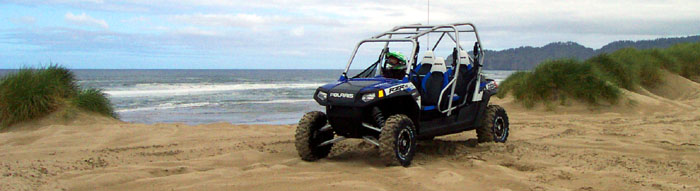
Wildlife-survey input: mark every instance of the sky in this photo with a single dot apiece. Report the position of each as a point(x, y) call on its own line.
point(301, 34)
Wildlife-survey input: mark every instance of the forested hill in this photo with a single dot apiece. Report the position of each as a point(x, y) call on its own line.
point(525, 58)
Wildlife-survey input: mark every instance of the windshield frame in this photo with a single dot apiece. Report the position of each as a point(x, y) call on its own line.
point(410, 61)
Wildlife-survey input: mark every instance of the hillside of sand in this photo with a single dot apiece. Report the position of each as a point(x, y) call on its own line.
point(650, 141)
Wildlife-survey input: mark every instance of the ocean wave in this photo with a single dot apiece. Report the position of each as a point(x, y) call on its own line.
point(166, 106)
point(280, 101)
point(143, 90)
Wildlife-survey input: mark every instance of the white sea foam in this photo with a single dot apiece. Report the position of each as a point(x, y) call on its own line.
point(281, 101)
point(147, 90)
point(166, 106)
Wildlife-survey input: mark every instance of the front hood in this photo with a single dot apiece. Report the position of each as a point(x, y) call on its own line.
point(347, 92)
point(353, 86)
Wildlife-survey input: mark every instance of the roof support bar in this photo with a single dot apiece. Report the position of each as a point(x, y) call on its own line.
point(453, 39)
point(438, 41)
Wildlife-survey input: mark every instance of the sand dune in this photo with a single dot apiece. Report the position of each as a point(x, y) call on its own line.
point(649, 143)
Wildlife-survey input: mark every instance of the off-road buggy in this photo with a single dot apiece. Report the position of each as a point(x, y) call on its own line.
point(434, 98)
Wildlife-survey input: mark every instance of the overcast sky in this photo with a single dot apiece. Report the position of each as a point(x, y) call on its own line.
point(301, 33)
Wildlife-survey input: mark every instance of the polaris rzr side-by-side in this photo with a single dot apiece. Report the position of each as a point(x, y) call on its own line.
point(397, 100)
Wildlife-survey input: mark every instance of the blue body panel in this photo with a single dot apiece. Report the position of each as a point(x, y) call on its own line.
point(381, 83)
point(353, 89)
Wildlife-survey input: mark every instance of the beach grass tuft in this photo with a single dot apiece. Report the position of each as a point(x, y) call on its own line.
point(30, 93)
point(687, 57)
point(599, 79)
point(559, 80)
point(94, 100)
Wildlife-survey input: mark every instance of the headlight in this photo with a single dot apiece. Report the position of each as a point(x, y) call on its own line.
point(368, 97)
point(322, 95)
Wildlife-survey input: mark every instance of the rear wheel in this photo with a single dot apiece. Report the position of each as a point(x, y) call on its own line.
point(397, 141)
point(308, 136)
point(494, 125)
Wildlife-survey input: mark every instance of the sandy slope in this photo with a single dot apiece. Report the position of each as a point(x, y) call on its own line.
point(651, 143)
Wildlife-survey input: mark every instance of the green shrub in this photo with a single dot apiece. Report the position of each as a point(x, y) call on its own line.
point(560, 80)
point(644, 69)
point(688, 57)
point(511, 82)
point(666, 61)
point(94, 100)
point(599, 79)
point(63, 78)
point(30, 93)
point(518, 84)
point(615, 71)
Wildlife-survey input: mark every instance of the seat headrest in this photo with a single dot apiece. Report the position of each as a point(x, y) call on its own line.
point(439, 65)
point(428, 58)
point(464, 56)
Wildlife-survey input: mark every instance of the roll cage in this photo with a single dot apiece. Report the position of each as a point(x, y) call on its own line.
point(411, 33)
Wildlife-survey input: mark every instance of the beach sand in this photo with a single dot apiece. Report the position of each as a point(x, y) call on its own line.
point(650, 141)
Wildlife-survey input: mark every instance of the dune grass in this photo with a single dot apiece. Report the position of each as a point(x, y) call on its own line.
point(560, 80)
point(629, 68)
point(31, 93)
point(687, 57)
point(599, 79)
point(94, 100)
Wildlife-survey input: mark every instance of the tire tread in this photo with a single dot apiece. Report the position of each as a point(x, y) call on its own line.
point(387, 139)
point(303, 135)
point(484, 133)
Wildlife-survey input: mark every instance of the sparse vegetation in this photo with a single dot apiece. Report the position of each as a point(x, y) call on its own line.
point(31, 93)
point(598, 80)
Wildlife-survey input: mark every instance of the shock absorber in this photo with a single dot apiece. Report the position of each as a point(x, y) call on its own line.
point(378, 116)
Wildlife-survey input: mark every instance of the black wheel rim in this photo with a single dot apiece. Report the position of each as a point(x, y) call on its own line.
point(499, 128)
point(403, 143)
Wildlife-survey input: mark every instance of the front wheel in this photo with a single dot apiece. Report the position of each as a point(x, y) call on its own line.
point(397, 141)
point(494, 125)
point(308, 136)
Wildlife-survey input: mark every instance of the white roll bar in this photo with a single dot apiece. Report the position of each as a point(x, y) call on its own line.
point(417, 31)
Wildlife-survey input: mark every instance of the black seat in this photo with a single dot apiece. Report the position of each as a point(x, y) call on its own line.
point(467, 77)
point(422, 70)
point(432, 84)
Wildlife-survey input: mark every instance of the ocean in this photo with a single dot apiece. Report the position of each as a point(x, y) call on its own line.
point(208, 96)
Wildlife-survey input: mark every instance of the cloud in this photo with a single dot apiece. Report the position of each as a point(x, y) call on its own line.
point(317, 28)
point(252, 20)
point(230, 20)
point(195, 31)
point(139, 19)
point(297, 53)
point(298, 32)
point(86, 20)
point(25, 20)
